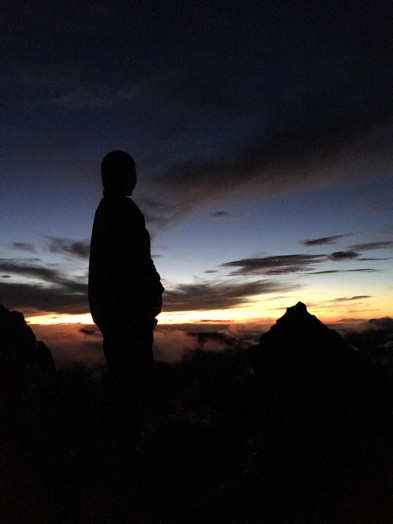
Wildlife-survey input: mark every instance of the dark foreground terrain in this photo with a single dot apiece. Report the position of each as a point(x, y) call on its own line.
point(297, 429)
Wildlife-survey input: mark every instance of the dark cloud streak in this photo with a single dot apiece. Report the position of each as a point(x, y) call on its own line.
point(369, 246)
point(275, 265)
point(211, 296)
point(30, 271)
point(328, 271)
point(295, 154)
point(53, 292)
point(34, 299)
point(73, 248)
point(339, 256)
point(24, 246)
point(351, 299)
point(219, 214)
point(321, 241)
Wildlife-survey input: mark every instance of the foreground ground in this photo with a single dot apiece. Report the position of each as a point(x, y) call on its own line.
point(219, 445)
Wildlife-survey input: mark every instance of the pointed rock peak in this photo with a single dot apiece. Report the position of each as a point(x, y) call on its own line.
point(299, 308)
point(299, 331)
point(298, 318)
point(298, 311)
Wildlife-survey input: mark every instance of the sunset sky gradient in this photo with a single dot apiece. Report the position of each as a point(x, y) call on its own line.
point(262, 133)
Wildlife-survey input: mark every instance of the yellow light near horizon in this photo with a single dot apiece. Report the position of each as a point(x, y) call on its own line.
point(60, 319)
point(176, 317)
point(190, 317)
point(327, 310)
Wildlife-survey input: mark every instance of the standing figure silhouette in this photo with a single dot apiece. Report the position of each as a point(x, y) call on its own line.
point(125, 292)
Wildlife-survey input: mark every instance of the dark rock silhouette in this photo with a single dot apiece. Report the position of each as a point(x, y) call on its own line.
point(27, 376)
point(24, 362)
point(297, 338)
point(329, 422)
point(304, 366)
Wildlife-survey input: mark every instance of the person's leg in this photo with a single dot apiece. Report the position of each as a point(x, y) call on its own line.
point(129, 356)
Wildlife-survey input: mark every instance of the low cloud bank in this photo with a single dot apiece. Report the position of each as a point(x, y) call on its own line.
point(172, 346)
point(70, 345)
point(75, 343)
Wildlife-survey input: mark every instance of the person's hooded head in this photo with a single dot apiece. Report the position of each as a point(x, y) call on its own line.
point(118, 173)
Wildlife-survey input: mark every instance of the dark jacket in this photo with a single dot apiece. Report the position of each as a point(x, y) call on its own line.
point(123, 282)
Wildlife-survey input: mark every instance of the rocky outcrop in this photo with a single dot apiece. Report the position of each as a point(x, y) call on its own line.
point(20, 353)
point(325, 423)
point(27, 386)
point(297, 339)
point(305, 369)
point(27, 368)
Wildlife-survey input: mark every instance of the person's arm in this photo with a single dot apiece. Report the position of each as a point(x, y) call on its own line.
point(142, 273)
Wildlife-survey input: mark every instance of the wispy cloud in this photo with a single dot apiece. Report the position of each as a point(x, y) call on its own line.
point(328, 271)
point(220, 214)
point(321, 241)
point(95, 97)
point(296, 263)
point(369, 246)
point(288, 156)
point(71, 248)
point(49, 292)
point(222, 295)
point(37, 299)
point(339, 256)
point(371, 207)
point(24, 246)
point(30, 271)
point(275, 265)
point(351, 299)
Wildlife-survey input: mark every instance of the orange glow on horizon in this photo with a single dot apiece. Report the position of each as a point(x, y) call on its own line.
point(54, 319)
point(246, 315)
point(165, 318)
point(321, 303)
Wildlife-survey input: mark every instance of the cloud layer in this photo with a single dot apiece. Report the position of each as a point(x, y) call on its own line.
point(219, 295)
point(35, 289)
point(275, 265)
point(72, 248)
point(299, 155)
point(32, 287)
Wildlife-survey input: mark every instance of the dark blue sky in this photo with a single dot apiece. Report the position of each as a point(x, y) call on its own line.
point(256, 127)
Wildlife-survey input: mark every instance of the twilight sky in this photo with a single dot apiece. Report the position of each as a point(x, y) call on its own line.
point(262, 133)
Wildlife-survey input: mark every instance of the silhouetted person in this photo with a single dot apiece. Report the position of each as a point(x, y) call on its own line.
point(124, 287)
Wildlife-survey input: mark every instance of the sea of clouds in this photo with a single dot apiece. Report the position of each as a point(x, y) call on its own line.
point(76, 343)
point(82, 344)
